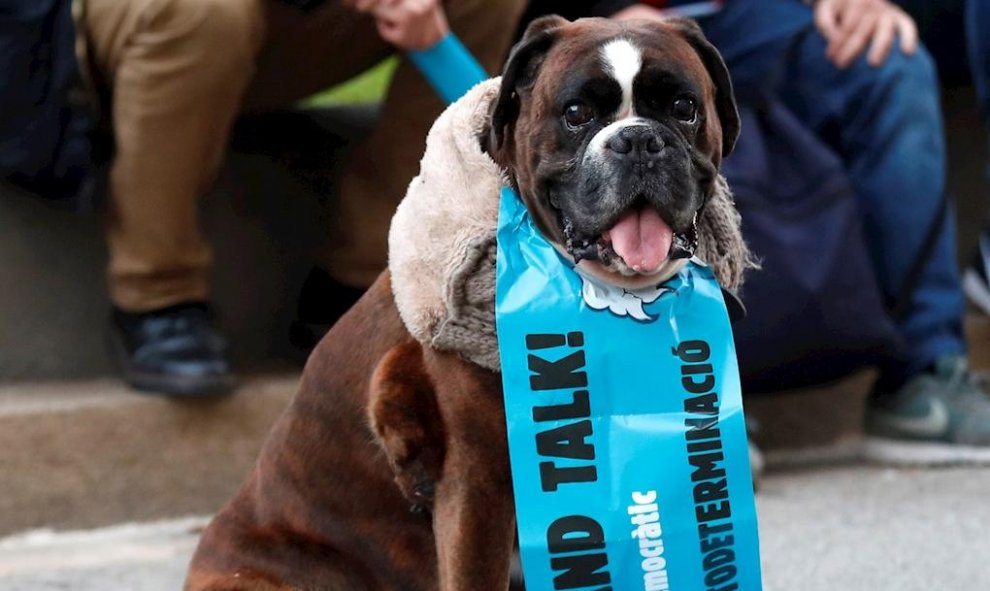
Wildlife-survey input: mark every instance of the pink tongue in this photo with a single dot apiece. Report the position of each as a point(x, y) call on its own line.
point(642, 239)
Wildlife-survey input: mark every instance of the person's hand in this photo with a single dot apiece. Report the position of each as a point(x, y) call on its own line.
point(407, 24)
point(639, 12)
point(850, 25)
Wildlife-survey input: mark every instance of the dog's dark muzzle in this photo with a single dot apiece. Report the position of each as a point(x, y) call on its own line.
point(597, 249)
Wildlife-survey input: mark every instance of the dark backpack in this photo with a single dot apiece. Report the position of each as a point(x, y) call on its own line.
point(815, 310)
point(45, 123)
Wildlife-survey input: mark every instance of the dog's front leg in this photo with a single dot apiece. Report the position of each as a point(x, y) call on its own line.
point(405, 417)
point(473, 511)
point(441, 424)
point(474, 525)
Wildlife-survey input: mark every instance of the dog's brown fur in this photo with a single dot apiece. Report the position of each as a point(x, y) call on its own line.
point(321, 509)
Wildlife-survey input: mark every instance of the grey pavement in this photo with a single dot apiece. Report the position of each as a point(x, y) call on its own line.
point(850, 528)
point(877, 529)
point(133, 557)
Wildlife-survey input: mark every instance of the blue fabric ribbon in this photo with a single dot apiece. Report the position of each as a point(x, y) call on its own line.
point(627, 439)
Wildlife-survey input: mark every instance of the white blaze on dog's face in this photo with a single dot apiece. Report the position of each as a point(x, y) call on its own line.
point(614, 133)
point(623, 61)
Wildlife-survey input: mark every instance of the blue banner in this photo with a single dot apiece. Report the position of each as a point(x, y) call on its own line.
point(627, 439)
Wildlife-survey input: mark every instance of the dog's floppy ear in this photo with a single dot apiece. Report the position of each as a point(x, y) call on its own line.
point(725, 99)
point(520, 73)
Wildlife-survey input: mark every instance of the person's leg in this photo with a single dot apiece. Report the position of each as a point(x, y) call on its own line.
point(175, 72)
point(976, 281)
point(886, 124)
point(942, 24)
point(303, 57)
point(978, 44)
point(305, 53)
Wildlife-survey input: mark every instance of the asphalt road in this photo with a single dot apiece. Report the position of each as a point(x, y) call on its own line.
point(850, 528)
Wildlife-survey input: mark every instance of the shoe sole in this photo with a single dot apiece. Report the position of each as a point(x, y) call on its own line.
point(923, 453)
point(170, 385)
point(976, 290)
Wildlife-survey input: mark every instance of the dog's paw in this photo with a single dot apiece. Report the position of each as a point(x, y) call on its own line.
point(405, 417)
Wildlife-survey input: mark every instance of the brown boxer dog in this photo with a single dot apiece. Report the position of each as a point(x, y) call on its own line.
point(389, 470)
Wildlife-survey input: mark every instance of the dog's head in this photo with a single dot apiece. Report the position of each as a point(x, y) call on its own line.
point(614, 133)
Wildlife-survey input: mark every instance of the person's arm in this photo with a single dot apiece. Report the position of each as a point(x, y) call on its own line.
point(639, 11)
point(420, 28)
point(411, 25)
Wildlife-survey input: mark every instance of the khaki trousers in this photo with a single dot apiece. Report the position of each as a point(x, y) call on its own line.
point(177, 72)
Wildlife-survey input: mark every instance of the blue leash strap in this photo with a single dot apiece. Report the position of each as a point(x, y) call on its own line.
point(449, 68)
point(627, 439)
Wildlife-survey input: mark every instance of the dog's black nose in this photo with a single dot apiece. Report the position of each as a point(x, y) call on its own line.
point(639, 143)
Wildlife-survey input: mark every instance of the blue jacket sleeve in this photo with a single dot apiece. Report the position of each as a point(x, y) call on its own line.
point(449, 67)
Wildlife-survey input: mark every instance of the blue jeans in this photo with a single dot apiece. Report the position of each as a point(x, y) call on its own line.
point(886, 125)
point(978, 43)
point(976, 20)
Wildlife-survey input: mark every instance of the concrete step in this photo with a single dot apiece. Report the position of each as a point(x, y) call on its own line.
point(93, 453)
point(854, 528)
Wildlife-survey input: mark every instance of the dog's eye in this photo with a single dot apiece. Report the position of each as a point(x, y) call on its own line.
point(578, 114)
point(685, 109)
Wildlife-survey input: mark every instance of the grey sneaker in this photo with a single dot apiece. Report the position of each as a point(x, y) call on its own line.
point(976, 278)
point(938, 418)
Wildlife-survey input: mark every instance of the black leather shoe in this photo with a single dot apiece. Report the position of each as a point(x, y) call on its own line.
point(175, 351)
point(322, 301)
